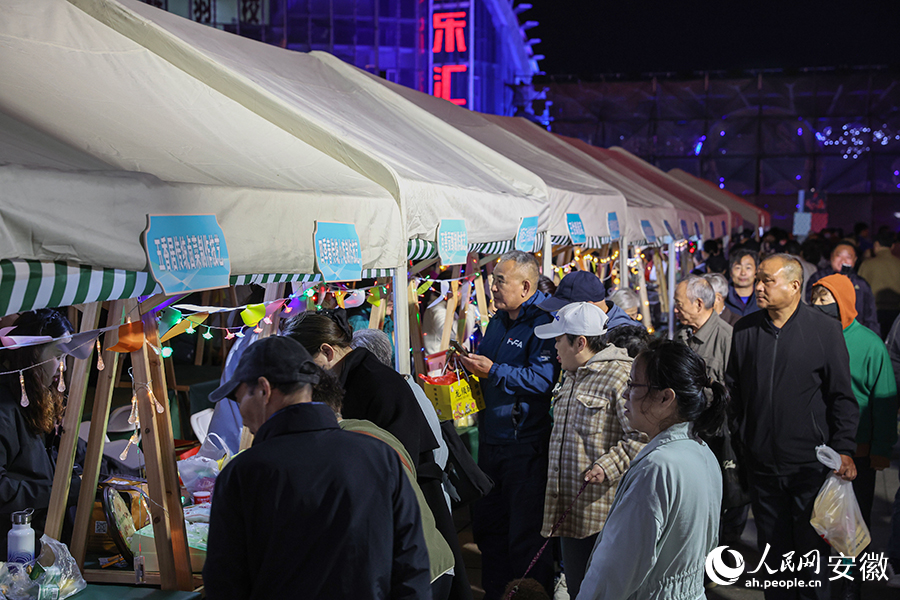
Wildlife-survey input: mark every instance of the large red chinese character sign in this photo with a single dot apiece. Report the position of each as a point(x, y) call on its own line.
point(451, 51)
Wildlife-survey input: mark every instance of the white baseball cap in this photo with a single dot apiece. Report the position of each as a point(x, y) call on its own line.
point(578, 318)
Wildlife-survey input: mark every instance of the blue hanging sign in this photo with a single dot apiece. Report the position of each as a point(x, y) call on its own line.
point(187, 253)
point(647, 228)
point(338, 254)
point(453, 241)
point(684, 229)
point(712, 230)
point(576, 228)
point(724, 229)
point(614, 232)
point(669, 229)
point(526, 237)
point(697, 229)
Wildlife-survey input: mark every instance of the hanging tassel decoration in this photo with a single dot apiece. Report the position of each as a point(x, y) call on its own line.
point(100, 365)
point(24, 401)
point(62, 380)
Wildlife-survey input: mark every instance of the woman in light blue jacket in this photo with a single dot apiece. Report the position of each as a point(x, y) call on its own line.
point(665, 517)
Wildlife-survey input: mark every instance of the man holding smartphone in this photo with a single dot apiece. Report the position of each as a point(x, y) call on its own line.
point(517, 373)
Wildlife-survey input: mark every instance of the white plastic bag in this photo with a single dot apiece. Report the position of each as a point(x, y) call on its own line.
point(198, 473)
point(836, 515)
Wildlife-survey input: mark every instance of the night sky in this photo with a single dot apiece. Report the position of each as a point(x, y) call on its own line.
point(593, 37)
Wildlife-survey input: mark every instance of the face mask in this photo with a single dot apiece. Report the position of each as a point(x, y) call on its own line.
point(830, 309)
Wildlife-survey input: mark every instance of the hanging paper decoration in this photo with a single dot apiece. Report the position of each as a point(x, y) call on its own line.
point(186, 325)
point(80, 345)
point(131, 337)
point(339, 298)
point(253, 314)
point(424, 287)
point(354, 298)
point(374, 297)
point(7, 340)
point(168, 318)
point(271, 309)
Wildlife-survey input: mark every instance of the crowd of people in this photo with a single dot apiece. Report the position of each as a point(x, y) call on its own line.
point(593, 433)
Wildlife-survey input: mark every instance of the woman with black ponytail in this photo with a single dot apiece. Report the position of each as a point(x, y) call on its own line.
point(665, 518)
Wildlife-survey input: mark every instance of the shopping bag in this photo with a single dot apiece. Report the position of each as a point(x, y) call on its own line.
point(454, 394)
point(836, 515)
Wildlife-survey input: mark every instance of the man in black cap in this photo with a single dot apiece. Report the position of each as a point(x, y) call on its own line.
point(309, 510)
point(582, 286)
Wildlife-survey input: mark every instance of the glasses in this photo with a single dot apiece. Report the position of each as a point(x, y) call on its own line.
point(630, 385)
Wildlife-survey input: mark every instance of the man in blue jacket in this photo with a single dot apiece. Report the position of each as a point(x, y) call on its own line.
point(517, 374)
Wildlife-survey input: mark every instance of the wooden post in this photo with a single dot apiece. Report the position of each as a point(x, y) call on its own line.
point(167, 517)
point(480, 296)
point(200, 349)
point(642, 293)
point(62, 477)
point(661, 280)
point(274, 291)
point(452, 303)
point(99, 421)
point(415, 328)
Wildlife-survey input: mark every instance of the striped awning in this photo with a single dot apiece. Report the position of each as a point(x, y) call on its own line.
point(592, 241)
point(30, 284)
point(418, 249)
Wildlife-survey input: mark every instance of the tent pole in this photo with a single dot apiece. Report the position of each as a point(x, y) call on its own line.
point(671, 289)
point(401, 320)
point(624, 277)
point(547, 256)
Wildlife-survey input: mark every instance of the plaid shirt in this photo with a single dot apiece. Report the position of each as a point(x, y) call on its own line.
point(589, 429)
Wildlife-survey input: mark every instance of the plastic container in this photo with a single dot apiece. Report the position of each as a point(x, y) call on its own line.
point(20, 539)
point(202, 498)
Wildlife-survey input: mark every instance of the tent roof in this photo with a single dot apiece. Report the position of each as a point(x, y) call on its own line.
point(431, 169)
point(713, 214)
point(99, 131)
point(569, 189)
point(644, 204)
point(745, 211)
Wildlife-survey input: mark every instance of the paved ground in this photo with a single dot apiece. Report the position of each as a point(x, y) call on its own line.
point(886, 487)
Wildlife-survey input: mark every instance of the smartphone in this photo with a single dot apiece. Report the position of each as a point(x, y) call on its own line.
point(457, 347)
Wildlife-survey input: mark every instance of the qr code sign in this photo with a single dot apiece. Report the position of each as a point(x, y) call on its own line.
point(100, 526)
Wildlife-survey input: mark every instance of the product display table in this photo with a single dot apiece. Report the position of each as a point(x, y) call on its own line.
point(126, 592)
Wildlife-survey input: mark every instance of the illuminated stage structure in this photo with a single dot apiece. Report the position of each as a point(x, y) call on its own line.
point(475, 53)
point(763, 135)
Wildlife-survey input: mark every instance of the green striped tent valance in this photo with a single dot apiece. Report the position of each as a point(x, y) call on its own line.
point(418, 249)
point(592, 241)
point(31, 284)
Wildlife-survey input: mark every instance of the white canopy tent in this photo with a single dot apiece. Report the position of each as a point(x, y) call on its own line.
point(98, 132)
point(741, 209)
point(295, 122)
point(570, 189)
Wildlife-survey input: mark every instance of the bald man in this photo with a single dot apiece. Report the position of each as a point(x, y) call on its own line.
point(789, 375)
point(517, 372)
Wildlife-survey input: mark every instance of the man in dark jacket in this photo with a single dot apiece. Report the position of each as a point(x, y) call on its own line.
point(789, 375)
point(843, 260)
point(517, 375)
point(310, 510)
